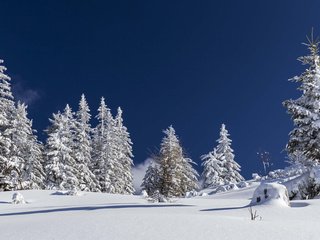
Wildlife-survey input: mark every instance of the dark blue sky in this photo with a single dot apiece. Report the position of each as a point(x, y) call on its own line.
point(193, 64)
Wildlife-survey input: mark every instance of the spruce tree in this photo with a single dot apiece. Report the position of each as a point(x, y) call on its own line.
point(10, 173)
point(189, 177)
point(29, 150)
point(213, 170)
point(124, 148)
point(176, 173)
point(60, 164)
point(225, 152)
point(305, 111)
point(83, 148)
point(105, 166)
point(151, 180)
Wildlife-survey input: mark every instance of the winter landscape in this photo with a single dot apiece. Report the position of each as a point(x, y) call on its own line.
point(104, 172)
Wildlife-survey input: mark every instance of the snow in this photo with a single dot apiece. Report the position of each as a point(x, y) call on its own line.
point(315, 174)
point(123, 217)
point(17, 198)
point(271, 193)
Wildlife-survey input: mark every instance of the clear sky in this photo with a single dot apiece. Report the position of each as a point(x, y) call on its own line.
point(192, 64)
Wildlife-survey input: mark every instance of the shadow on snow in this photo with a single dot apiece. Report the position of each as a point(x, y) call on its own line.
point(91, 208)
point(225, 209)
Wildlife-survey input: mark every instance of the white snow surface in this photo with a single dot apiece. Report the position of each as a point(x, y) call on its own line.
point(49, 215)
point(272, 194)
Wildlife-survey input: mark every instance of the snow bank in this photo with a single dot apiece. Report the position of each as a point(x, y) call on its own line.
point(271, 193)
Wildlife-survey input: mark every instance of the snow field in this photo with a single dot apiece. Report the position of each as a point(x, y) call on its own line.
point(106, 216)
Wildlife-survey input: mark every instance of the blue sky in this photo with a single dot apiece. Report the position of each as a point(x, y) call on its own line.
point(194, 65)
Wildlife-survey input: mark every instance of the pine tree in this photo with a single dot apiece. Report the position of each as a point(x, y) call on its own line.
point(83, 147)
point(305, 111)
point(212, 169)
point(60, 166)
point(10, 173)
point(225, 152)
point(151, 180)
point(124, 148)
point(29, 150)
point(105, 164)
point(177, 174)
point(189, 177)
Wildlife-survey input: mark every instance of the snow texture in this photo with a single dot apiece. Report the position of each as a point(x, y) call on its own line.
point(17, 198)
point(271, 194)
point(98, 216)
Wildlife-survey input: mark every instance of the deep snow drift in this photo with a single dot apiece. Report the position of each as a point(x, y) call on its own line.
point(53, 215)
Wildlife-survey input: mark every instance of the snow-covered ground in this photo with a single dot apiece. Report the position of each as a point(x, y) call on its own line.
point(47, 215)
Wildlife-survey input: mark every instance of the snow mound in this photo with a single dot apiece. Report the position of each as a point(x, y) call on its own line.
point(17, 198)
point(271, 193)
point(256, 176)
point(243, 184)
point(144, 194)
point(192, 194)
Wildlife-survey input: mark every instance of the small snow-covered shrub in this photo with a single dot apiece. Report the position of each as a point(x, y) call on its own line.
point(221, 189)
point(144, 194)
point(243, 184)
point(271, 193)
point(17, 198)
point(192, 193)
point(203, 194)
point(232, 186)
point(256, 177)
point(292, 171)
point(73, 192)
point(157, 197)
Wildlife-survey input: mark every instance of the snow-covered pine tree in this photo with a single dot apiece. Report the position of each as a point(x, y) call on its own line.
point(82, 148)
point(305, 111)
point(176, 173)
point(29, 150)
point(151, 180)
point(225, 153)
point(60, 164)
point(10, 173)
point(124, 148)
point(213, 170)
point(189, 177)
point(105, 154)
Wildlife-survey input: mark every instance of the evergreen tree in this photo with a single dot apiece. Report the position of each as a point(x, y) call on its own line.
point(225, 152)
point(105, 166)
point(29, 150)
point(189, 177)
point(124, 147)
point(212, 169)
point(60, 166)
point(305, 111)
point(176, 173)
point(83, 147)
point(151, 180)
point(10, 173)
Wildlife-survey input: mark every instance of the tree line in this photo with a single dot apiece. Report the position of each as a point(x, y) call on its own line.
point(79, 157)
point(75, 156)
